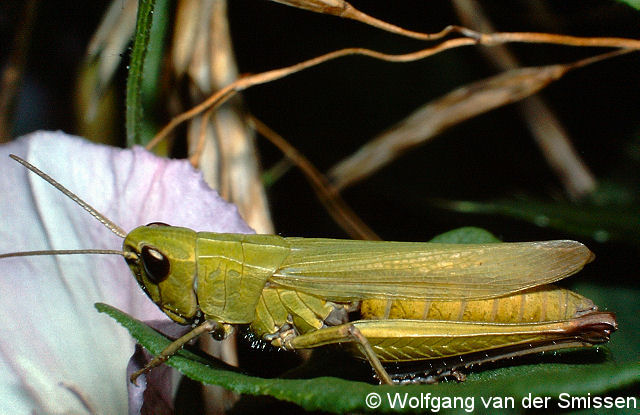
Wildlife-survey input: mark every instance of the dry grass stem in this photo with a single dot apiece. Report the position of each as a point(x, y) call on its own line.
point(327, 194)
point(195, 157)
point(546, 129)
point(345, 10)
point(241, 84)
point(109, 42)
point(454, 107)
point(219, 142)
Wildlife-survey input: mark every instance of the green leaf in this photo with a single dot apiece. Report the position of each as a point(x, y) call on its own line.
point(633, 3)
point(466, 235)
point(152, 69)
point(144, 69)
point(597, 371)
point(339, 395)
point(601, 223)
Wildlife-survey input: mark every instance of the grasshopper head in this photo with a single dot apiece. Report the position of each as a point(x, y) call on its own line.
point(162, 258)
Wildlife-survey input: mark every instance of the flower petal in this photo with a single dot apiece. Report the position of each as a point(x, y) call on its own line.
point(57, 354)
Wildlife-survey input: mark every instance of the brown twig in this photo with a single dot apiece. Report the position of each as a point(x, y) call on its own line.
point(452, 108)
point(194, 158)
point(345, 10)
point(548, 132)
point(474, 37)
point(327, 194)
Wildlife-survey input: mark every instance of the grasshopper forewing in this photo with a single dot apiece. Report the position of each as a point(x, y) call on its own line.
point(413, 301)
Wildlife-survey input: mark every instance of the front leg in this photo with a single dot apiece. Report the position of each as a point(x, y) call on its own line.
point(208, 326)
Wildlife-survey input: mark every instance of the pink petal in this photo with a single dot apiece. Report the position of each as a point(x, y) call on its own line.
point(56, 352)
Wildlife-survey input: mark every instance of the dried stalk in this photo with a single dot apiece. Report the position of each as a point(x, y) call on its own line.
point(345, 10)
point(547, 131)
point(450, 109)
point(327, 194)
point(221, 144)
point(473, 38)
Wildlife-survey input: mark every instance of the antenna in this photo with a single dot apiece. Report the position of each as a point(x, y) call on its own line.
point(127, 255)
point(99, 216)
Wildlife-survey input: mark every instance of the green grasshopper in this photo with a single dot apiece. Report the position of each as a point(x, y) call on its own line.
point(414, 301)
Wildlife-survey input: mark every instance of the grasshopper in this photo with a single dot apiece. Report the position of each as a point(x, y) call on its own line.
point(412, 301)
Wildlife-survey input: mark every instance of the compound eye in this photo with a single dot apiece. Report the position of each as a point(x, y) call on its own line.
point(156, 224)
point(155, 263)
